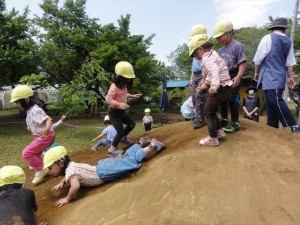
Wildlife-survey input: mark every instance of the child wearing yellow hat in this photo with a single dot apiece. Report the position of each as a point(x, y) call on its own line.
point(147, 120)
point(39, 124)
point(116, 98)
point(81, 174)
point(198, 99)
point(216, 80)
point(233, 53)
point(110, 132)
point(17, 204)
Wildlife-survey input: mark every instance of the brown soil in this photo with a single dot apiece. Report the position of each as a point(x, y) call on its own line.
point(252, 177)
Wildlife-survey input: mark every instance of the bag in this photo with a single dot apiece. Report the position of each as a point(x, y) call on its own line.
point(187, 109)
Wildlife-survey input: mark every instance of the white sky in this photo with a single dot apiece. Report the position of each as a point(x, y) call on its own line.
point(171, 20)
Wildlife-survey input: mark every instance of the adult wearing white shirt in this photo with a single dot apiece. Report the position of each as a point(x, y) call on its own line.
point(274, 61)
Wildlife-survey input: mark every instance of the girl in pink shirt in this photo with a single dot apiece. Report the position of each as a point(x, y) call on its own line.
point(117, 99)
point(217, 80)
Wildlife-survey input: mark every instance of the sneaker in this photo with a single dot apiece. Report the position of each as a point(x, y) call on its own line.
point(157, 145)
point(232, 127)
point(125, 140)
point(220, 133)
point(94, 148)
point(39, 176)
point(144, 142)
point(295, 129)
point(197, 123)
point(224, 122)
point(114, 152)
point(208, 141)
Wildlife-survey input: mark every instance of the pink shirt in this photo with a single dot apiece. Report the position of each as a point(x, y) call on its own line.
point(36, 119)
point(115, 96)
point(215, 71)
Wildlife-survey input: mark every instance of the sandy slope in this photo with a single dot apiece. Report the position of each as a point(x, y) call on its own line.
point(252, 178)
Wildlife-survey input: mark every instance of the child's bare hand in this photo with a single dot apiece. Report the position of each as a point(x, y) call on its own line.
point(124, 106)
point(212, 90)
point(43, 133)
point(200, 89)
point(63, 117)
point(61, 202)
point(137, 95)
point(56, 187)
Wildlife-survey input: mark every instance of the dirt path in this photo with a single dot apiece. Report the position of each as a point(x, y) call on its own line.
point(252, 178)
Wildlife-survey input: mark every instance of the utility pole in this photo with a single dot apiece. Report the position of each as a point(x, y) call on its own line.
point(293, 31)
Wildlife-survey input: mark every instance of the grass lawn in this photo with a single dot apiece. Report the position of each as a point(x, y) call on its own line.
point(76, 137)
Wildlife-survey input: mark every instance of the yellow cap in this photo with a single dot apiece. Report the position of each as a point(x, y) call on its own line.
point(196, 42)
point(197, 29)
point(54, 154)
point(147, 110)
point(106, 118)
point(124, 69)
point(20, 92)
point(12, 175)
point(222, 27)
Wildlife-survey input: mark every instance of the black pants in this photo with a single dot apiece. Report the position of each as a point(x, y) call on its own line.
point(211, 107)
point(119, 117)
point(231, 102)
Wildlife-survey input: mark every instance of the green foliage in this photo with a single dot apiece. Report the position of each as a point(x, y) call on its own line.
point(177, 96)
point(35, 79)
point(180, 63)
point(73, 99)
point(18, 51)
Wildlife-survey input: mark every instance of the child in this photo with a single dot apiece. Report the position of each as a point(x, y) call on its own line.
point(196, 77)
point(80, 174)
point(274, 61)
point(251, 104)
point(110, 132)
point(117, 99)
point(233, 53)
point(216, 80)
point(147, 120)
point(17, 204)
point(40, 125)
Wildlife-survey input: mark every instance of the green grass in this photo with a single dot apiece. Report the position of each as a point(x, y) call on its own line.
point(14, 136)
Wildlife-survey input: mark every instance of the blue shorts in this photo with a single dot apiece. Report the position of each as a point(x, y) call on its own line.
point(112, 168)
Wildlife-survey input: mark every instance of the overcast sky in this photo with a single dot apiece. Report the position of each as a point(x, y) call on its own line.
point(171, 20)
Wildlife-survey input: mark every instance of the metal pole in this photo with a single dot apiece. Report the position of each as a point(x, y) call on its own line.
point(293, 31)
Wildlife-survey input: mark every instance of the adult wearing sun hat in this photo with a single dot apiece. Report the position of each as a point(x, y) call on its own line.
point(274, 61)
point(17, 204)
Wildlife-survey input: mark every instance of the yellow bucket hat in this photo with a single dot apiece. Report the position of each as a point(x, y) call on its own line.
point(196, 42)
point(20, 92)
point(124, 69)
point(12, 175)
point(222, 27)
point(54, 154)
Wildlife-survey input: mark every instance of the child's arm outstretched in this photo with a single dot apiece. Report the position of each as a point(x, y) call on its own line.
point(134, 96)
point(98, 137)
point(75, 185)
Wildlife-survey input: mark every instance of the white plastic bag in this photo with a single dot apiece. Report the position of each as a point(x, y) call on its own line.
point(187, 109)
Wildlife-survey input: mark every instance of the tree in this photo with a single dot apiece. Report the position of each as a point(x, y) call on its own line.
point(180, 63)
point(18, 50)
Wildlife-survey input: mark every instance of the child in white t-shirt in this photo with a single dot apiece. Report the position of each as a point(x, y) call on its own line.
point(147, 120)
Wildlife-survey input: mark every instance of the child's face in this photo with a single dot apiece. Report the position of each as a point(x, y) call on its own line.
point(225, 38)
point(18, 104)
point(147, 113)
point(55, 169)
point(199, 52)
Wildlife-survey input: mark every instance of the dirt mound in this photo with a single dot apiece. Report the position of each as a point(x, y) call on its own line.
point(253, 177)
